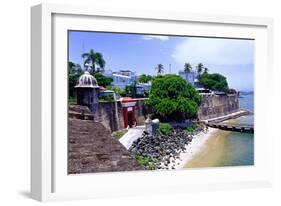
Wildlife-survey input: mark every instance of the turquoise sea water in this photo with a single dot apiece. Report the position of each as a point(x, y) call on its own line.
point(239, 147)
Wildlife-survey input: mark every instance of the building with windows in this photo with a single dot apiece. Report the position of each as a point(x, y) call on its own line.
point(121, 78)
point(143, 88)
point(190, 77)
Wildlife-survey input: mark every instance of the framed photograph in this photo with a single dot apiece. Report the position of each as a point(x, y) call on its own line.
point(137, 102)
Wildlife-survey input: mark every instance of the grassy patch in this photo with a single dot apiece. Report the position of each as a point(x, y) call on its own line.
point(191, 128)
point(147, 162)
point(72, 100)
point(165, 128)
point(118, 134)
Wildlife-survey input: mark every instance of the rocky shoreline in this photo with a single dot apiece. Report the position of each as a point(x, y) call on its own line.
point(163, 151)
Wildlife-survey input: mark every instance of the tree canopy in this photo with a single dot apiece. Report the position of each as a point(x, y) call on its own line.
point(74, 72)
point(172, 98)
point(95, 59)
point(145, 78)
point(215, 81)
point(103, 80)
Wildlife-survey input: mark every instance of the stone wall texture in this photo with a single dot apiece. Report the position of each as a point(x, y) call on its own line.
point(106, 114)
point(212, 106)
point(92, 149)
point(217, 105)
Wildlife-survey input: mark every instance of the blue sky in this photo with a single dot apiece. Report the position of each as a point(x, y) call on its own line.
point(141, 53)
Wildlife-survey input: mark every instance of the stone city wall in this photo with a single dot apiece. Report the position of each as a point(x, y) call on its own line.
point(217, 105)
point(107, 116)
point(212, 106)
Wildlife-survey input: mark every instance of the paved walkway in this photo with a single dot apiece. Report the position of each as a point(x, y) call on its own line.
point(132, 135)
point(239, 113)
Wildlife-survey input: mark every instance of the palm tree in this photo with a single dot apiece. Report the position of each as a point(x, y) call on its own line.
point(100, 61)
point(94, 58)
point(200, 68)
point(159, 69)
point(206, 70)
point(187, 67)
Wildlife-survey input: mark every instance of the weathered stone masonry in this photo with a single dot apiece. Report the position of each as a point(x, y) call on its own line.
point(212, 106)
point(217, 105)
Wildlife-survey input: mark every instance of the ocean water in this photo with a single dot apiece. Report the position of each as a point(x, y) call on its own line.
point(227, 148)
point(239, 147)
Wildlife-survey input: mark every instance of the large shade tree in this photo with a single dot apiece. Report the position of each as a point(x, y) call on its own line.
point(94, 59)
point(215, 81)
point(172, 98)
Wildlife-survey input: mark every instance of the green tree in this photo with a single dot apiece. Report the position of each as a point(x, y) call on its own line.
point(172, 98)
point(93, 58)
point(145, 78)
point(187, 67)
point(200, 68)
point(103, 80)
point(159, 69)
point(117, 90)
point(74, 72)
point(216, 82)
point(130, 90)
point(206, 70)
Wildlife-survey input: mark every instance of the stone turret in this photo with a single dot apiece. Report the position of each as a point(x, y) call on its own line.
point(87, 91)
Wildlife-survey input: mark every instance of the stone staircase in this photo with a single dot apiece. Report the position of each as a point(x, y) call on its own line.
point(92, 149)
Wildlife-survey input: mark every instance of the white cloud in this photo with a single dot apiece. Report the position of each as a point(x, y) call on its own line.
point(214, 51)
point(151, 37)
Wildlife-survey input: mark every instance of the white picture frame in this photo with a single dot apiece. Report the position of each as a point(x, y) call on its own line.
point(49, 179)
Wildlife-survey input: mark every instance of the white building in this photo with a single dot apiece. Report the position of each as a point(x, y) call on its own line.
point(190, 77)
point(143, 88)
point(122, 78)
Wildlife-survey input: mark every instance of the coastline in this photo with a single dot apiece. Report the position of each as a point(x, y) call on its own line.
point(196, 146)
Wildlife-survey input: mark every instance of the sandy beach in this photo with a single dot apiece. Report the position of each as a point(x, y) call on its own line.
point(196, 147)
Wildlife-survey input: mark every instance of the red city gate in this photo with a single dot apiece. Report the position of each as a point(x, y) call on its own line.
point(129, 108)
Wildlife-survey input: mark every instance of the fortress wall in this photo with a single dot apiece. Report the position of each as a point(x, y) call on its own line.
point(106, 115)
point(212, 106)
point(217, 105)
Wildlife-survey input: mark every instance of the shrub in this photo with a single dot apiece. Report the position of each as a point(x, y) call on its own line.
point(191, 128)
point(165, 128)
point(145, 161)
